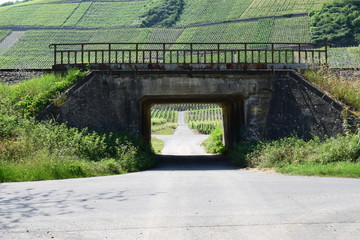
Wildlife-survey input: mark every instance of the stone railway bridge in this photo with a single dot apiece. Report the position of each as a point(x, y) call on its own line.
point(260, 99)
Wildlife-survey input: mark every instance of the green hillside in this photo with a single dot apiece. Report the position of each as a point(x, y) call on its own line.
point(55, 21)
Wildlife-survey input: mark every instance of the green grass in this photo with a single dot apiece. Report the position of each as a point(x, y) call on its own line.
point(32, 150)
point(4, 33)
point(339, 156)
point(339, 169)
point(346, 89)
point(157, 144)
point(164, 129)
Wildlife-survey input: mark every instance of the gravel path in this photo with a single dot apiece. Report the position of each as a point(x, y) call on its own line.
point(184, 141)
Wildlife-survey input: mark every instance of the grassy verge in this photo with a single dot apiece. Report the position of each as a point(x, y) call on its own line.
point(345, 87)
point(157, 144)
point(338, 157)
point(33, 150)
point(164, 129)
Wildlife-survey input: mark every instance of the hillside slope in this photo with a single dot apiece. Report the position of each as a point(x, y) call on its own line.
point(60, 21)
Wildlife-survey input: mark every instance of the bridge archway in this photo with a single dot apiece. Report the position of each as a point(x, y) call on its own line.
point(232, 106)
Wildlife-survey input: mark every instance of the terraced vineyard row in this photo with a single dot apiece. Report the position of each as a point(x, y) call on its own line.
point(200, 11)
point(36, 15)
point(261, 8)
point(279, 30)
point(163, 120)
point(204, 120)
point(85, 14)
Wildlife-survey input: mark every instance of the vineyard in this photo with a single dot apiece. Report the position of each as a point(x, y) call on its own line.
point(294, 29)
point(163, 120)
point(32, 49)
point(101, 14)
point(36, 15)
point(199, 11)
point(345, 57)
point(4, 33)
point(205, 119)
point(261, 8)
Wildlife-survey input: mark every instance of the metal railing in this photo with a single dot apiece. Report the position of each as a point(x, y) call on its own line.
point(190, 53)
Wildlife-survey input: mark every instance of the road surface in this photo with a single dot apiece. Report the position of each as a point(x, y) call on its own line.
point(184, 141)
point(193, 201)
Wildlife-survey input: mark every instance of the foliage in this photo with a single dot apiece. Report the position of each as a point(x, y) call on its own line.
point(293, 153)
point(345, 87)
point(164, 14)
point(13, 2)
point(337, 22)
point(30, 97)
point(32, 150)
point(214, 144)
point(157, 144)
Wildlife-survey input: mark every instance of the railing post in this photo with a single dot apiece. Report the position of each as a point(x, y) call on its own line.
point(326, 53)
point(191, 53)
point(164, 49)
point(109, 53)
point(218, 51)
point(137, 53)
point(245, 53)
point(55, 54)
point(272, 53)
point(299, 53)
point(82, 53)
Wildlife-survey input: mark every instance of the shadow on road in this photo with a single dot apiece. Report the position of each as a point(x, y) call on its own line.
point(198, 162)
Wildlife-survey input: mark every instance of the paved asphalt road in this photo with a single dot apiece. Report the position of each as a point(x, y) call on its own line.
point(193, 200)
point(191, 197)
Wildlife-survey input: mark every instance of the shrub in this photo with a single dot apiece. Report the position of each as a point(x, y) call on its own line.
point(214, 144)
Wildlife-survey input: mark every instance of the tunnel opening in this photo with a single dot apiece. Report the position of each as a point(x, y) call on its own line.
point(187, 129)
point(229, 111)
